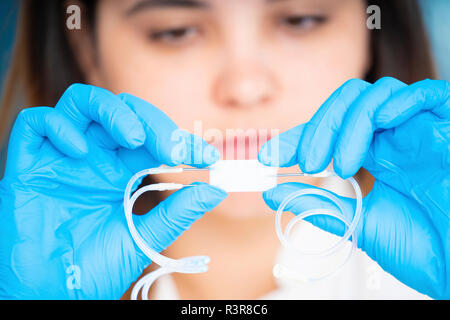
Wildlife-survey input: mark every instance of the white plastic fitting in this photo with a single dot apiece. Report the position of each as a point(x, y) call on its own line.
point(242, 176)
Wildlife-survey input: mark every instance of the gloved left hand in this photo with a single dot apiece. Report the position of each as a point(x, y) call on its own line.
point(63, 232)
point(401, 135)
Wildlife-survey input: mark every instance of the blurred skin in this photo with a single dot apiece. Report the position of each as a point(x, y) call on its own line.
point(234, 64)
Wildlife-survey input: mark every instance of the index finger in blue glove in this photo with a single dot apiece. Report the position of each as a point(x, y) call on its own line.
point(282, 151)
point(317, 144)
point(311, 145)
point(83, 104)
point(358, 127)
point(165, 141)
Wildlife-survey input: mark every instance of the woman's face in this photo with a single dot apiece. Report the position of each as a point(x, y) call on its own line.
point(231, 66)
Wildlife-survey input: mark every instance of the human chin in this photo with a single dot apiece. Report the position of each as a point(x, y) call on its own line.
point(243, 206)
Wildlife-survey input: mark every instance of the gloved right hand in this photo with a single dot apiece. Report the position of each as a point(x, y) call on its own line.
point(400, 133)
point(62, 224)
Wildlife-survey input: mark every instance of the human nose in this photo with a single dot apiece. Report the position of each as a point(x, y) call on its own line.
point(245, 85)
point(246, 76)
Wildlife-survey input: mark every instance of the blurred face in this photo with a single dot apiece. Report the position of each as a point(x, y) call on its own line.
point(218, 65)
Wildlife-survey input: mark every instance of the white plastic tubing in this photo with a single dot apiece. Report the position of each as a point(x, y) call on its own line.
point(186, 265)
point(281, 271)
point(199, 264)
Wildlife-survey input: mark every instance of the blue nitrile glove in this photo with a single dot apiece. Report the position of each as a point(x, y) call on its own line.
point(401, 135)
point(63, 232)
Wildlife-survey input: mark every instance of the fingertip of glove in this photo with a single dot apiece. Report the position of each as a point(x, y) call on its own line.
point(343, 171)
point(208, 197)
point(268, 198)
point(265, 159)
point(305, 163)
point(308, 164)
point(211, 155)
point(211, 190)
point(263, 155)
point(136, 137)
point(271, 155)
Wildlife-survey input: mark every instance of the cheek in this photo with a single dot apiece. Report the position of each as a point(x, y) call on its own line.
point(177, 84)
point(312, 72)
point(166, 85)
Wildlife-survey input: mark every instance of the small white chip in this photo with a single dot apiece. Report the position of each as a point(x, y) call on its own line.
point(242, 176)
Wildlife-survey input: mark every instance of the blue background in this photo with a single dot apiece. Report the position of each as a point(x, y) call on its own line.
point(437, 18)
point(8, 17)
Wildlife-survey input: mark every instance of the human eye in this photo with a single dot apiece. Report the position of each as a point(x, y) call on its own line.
point(177, 35)
point(300, 23)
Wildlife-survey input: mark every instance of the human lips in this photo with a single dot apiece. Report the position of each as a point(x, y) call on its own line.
point(242, 144)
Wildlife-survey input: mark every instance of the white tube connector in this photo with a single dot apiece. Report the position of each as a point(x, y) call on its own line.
point(242, 176)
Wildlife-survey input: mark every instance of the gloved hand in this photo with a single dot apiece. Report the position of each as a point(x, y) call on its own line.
point(62, 225)
point(401, 135)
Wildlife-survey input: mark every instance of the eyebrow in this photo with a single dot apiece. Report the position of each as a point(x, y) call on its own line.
point(155, 4)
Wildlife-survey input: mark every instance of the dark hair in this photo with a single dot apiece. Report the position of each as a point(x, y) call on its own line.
point(43, 52)
point(401, 47)
point(44, 64)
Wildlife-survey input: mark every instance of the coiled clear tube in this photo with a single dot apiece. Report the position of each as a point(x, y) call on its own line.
point(281, 271)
